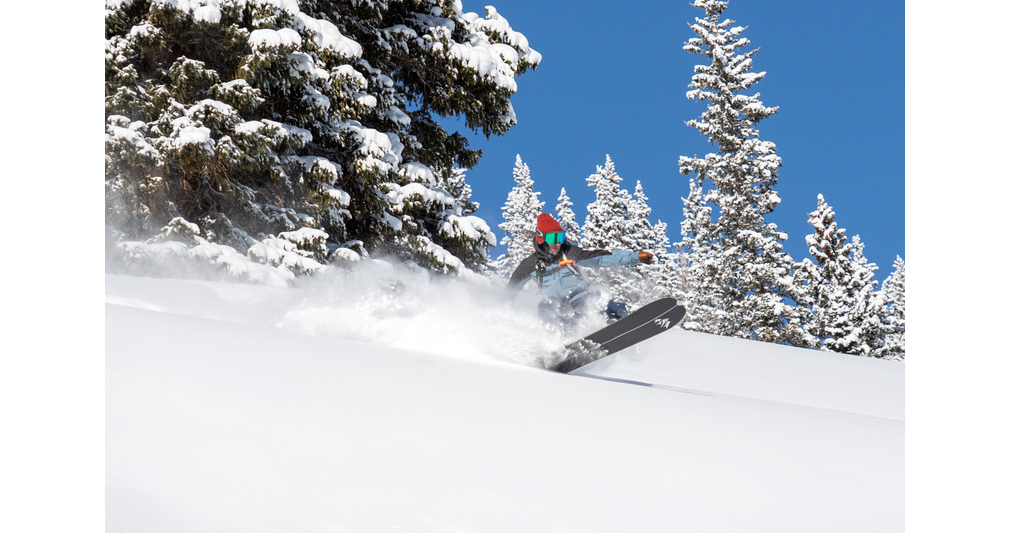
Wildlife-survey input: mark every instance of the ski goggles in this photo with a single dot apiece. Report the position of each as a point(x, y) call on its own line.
point(554, 237)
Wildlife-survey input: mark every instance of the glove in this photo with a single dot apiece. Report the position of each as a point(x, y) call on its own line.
point(645, 257)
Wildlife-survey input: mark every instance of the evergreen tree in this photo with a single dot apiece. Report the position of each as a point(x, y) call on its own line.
point(893, 295)
point(520, 213)
point(566, 217)
point(606, 221)
point(845, 313)
point(698, 254)
point(457, 186)
point(668, 278)
point(607, 227)
point(664, 273)
point(828, 274)
point(254, 118)
point(741, 277)
point(640, 231)
point(866, 317)
point(650, 282)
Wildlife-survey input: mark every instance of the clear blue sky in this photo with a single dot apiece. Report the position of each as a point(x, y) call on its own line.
point(613, 79)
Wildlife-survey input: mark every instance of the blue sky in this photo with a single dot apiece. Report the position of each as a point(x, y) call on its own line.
point(613, 78)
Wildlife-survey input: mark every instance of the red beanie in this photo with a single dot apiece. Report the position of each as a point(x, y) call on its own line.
point(546, 224)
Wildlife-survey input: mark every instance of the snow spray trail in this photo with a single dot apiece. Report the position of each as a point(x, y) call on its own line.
point(469, 316)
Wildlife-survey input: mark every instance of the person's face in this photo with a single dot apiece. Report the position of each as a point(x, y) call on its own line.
point(554, 248)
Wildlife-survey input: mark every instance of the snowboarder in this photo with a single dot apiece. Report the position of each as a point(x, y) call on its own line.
point(556, 266)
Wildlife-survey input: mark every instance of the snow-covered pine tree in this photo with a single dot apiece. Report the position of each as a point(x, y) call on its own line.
point(522, 207)
point(739, 265)
point(646, 286)
point(828, 274)
point(457, 186)
point(607, 216)
point(640, 231)
point(254, 118)
point(867, 315)
point(566, 217)
point(607, 227)
point(845, 314)
point(893, 295)
point(698, 255)
point(664, 275)
point(458, 220)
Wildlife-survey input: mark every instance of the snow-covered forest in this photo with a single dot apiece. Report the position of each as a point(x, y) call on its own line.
point(272, 141)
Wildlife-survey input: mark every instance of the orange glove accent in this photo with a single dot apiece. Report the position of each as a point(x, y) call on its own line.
point(645, 257)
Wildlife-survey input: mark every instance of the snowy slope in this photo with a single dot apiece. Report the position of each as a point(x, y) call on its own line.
point(243, 408)
point(696, 362)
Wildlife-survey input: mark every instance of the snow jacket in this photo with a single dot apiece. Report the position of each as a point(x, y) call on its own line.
point(560, 277)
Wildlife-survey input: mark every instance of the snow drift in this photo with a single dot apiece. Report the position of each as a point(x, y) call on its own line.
point(387, 401)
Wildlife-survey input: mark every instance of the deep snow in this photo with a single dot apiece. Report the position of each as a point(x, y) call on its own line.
point(385, 401)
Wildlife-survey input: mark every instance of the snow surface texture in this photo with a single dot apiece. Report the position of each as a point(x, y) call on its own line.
point(383, 401)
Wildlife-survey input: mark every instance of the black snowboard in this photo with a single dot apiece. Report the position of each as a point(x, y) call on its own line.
point(647, 321)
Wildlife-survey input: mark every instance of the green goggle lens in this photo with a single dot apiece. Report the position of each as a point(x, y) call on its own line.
point(556, 237)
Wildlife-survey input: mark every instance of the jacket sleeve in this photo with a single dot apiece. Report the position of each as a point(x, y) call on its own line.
point(522, 274)
point(613, 259)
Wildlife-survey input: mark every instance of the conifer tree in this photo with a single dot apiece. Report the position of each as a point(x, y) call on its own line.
point(846, 315)
point(607, 215)
point(607, 227)
point(254, 118)
point(566, 217)
point(520, 213)
point(664, 273)
point(740, 275)
point(640, 231)
point(866, 317)
point(698, 254)
point(643, 235)
point(828, 274)
point(457, 186)
point(893, 295)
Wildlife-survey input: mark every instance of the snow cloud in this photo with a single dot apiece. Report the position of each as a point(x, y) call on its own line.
point(378, 302)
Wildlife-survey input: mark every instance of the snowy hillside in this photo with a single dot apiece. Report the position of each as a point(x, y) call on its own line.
point(388, 402)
